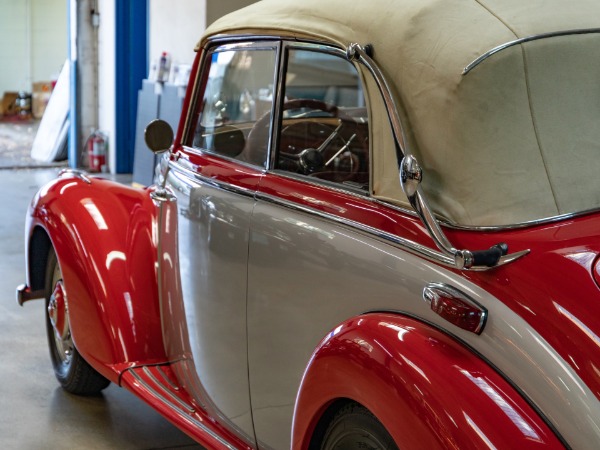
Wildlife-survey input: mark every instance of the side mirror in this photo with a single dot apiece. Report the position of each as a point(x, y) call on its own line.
point(158, 136)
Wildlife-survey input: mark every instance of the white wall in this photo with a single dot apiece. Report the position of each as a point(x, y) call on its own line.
point(106, 76)
point(49, 38)
point(176, 27)
point(33, 42)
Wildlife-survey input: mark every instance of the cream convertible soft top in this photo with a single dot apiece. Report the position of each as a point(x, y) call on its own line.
point(514, 139)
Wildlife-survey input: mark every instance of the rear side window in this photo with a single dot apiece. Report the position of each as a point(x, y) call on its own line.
point(237, 94)
point(324, 124)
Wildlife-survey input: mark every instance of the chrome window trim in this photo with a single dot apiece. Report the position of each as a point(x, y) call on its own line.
point(534, 37)
point(286, 46)
point(225, 44)
point(318, 182)
point(410, 177)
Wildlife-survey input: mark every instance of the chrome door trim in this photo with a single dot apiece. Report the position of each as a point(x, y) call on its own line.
point(404, 244)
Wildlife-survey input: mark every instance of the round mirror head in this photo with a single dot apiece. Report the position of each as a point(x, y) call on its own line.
point(158, 136)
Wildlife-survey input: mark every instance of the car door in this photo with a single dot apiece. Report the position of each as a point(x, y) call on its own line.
point(214, 179)
point(301, 263)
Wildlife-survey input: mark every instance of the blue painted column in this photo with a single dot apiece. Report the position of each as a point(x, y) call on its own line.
point(131, 65)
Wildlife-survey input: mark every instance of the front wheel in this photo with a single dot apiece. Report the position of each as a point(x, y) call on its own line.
point(354, 428)
point(74, 374)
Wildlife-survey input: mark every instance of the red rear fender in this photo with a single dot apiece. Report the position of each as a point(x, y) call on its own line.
point(426, 388)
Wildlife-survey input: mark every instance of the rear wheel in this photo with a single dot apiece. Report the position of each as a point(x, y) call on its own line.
point(74, 374)
point(354, 427)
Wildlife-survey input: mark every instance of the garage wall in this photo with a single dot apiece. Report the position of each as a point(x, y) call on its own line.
point(175, 27)
point(189, 18)
point(33, 42)
point(49, 37)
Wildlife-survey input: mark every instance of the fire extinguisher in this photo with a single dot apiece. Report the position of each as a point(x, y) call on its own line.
point(96, 149)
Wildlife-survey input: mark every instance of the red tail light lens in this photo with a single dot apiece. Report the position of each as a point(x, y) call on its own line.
point(455, 307)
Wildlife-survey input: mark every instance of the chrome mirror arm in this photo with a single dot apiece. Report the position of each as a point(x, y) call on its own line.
point(411, 176)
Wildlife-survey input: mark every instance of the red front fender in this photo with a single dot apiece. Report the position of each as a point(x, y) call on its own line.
point(104, 237)
point(428, 390)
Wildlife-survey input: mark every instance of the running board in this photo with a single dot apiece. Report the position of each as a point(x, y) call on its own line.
point(158, 387)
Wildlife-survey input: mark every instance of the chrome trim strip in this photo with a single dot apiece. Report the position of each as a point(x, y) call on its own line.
point(341, 188)
point(404, 244)
point(174, 398)
point(409, 246)
point(77, 173)
point(191, 175)
point(189, 418)
point(167, 379)
point(514, 226)
point(517, 226)
point(534, 37)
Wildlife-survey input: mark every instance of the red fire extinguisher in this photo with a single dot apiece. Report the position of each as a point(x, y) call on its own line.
point(97, 146)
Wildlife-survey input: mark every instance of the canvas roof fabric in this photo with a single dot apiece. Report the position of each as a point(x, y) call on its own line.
point(513, 140)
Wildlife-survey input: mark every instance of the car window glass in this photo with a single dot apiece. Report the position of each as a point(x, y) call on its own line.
point(238, 94)
point(324, 124)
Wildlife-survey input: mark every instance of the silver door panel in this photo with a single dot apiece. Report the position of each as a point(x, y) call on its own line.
point(307, 274)
point(213, 250)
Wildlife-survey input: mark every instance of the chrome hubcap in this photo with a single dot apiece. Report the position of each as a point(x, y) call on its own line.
point(59, 318)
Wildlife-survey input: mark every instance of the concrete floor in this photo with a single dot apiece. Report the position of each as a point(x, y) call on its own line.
point(35, 412)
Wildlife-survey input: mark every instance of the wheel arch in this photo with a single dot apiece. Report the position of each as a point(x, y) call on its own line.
point(37, 257)
point(104, 237)
point(425, 387)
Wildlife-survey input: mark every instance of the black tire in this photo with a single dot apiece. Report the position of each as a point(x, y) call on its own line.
point(73, 373)
point(354, 427)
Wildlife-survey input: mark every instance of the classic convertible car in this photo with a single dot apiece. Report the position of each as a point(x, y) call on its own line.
point(376, 227)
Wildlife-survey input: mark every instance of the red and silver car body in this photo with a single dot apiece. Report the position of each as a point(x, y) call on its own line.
point(417, 235)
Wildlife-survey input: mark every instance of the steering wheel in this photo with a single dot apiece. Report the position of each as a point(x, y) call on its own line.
point(308, 159)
